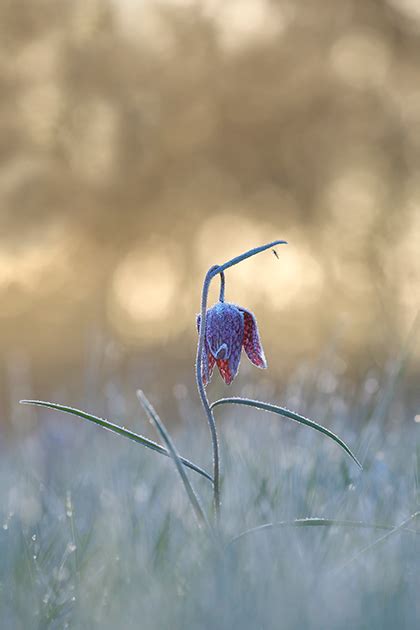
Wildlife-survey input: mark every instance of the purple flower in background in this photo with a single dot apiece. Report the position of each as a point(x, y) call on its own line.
point(228, 329)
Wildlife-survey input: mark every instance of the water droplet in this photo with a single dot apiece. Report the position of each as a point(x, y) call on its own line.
point(5, 526)
point(69, 507)
point(33, 537)
point(71, 547)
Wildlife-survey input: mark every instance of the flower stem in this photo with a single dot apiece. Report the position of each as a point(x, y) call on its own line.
point(212, 272)
point(222, 287)
point(202, 391)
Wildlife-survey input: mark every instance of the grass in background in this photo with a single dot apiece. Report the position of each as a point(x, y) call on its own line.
point(95, 532)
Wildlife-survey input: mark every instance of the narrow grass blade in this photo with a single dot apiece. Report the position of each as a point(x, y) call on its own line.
point(315, 522)
point(201, 517)
point(282, 411)
point(115, 428)
point(396, 373)
point(401, 527)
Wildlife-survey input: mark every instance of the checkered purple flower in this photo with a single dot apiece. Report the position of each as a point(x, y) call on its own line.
point(228, 329)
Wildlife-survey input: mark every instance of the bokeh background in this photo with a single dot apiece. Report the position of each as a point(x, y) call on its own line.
point(141, 142)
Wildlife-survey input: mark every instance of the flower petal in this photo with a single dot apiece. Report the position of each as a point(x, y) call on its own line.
point(207, 367)
point(207, 359)
point(224, 329)
point(252, 342)
point(223, 341)
point(235, 354)
point(224, 369)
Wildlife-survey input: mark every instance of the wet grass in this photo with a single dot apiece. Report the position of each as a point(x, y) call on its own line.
point(98, 532)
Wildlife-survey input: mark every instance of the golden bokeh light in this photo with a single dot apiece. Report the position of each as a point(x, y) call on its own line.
point(409, 8)
point(40, 267)
point(90, 140)
point(223, 233)
point(296, 277)
point(403, 264)
point(361, 59)
point(40, 111)
point(145, 295)
point(239, 22)
point(297, 280)
point(220, 126)
point(86, 19)
point(38, 61)
point(354, 199)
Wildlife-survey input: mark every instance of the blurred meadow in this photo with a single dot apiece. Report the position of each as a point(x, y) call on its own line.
point(142, 142)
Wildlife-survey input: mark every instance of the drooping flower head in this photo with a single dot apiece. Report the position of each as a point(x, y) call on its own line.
point(229, 328)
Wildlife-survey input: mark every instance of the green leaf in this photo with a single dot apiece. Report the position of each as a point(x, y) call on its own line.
point(115, 428)
point(282, 411)
point(201, 517)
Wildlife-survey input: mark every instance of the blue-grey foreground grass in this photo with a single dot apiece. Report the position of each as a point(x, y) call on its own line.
point(287, 413)
point(95, 532)
point(117, 429)
point(181, 462)
point(194, 500)
point(331, 522)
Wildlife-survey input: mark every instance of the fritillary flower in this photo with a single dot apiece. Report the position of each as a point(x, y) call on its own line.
point(229, 328)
